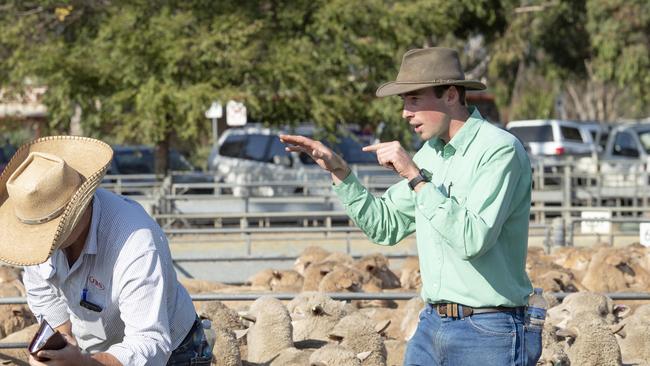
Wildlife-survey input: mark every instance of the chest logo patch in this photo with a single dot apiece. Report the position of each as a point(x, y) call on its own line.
point(96, 282)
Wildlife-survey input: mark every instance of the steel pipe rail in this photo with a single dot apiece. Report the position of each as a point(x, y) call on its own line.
point(344, 296)
point(13, 345)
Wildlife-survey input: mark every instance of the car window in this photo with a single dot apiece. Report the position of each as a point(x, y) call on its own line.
point(571, 134)
point(255, 148)
point(233, 146)
point(624, 145)
point(134, 161)
point(533, 133)
point(177, 162)
point(276, 149)
point(645, 140)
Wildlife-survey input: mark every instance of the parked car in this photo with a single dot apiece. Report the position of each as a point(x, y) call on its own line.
point(553, 138)
point(139, 160)
point(6, 152)
point(254, 154)
point(626, 157)
point(599, 133)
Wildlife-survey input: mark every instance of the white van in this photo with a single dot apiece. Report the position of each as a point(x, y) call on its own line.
point(551, 137)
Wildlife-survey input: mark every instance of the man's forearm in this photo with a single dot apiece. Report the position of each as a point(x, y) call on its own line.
point(339, 175)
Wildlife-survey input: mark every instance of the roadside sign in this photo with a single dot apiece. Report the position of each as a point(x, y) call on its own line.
point(235, 113)
point(595, 227)
point(644, 234)
point(215, 111)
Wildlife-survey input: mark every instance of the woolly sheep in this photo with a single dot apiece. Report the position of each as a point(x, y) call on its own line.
point(614, 269)
point(313, 316)
point(276, 280)
point(586, 302)
point(635, 336)
point(594, 341)
point(226, 348)
point(334, 355)
point(377, 266)
point(357, 332)
point(410, 277)
point(271, 330)
point(309, 256)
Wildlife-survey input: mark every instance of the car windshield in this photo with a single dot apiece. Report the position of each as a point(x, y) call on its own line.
point(645, 140)
point(134, 161)
point(533, 133)
point(350, 150)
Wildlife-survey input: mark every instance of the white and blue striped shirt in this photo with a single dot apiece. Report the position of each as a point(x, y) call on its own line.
point(126, 269)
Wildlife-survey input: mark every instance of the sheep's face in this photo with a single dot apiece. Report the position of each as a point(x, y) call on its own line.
point(583, 302)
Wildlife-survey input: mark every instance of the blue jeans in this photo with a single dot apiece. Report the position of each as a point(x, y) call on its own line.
point(194, 349)
point(498, 338)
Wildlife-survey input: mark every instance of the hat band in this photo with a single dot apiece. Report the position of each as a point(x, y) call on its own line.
point(435, 81)
point(45, 219)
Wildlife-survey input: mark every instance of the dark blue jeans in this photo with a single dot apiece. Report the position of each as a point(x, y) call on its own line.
point(498, 338)
point(194, 349)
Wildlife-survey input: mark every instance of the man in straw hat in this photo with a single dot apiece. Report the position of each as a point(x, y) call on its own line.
point(466, 194)
point(97, 267)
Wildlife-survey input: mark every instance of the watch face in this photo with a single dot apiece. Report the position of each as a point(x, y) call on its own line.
point(426, 174)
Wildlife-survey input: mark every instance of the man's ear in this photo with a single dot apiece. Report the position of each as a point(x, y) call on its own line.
point(452, 94)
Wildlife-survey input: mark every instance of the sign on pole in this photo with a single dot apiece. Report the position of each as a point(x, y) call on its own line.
point(235, 113)
point(644, 234)
point(595, 227)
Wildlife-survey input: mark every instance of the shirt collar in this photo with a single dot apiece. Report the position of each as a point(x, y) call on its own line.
point(90, 246)
point(464, 136)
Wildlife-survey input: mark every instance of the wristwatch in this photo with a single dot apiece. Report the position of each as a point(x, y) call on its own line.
point(423, 176)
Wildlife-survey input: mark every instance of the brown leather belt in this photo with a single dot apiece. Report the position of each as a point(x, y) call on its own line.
point(453, 310)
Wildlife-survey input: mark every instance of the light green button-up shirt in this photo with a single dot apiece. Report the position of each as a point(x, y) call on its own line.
point(471, 220)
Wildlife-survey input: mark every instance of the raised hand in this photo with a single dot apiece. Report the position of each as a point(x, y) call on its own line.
point(322, 155)
point(393, 156)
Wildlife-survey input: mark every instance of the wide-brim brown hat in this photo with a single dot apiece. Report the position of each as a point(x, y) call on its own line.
point(44, 191)
point(425, 67)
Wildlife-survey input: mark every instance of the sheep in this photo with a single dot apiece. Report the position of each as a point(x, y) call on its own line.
point(271, 330)
point(269, 337)
point(18, 357)
point(220, 315)
point(194, 286)
point(548, 275)
point(314, 315)
point(226, 348)
point(553, 348)
point(334, 355)
point(581, 302)
point(410, 317)
point(342, 279)
point(315, 272)
point(275, 280)
point(575, 259)
point(356, 332)
point(13, 317)
point(613, 269)
point(378, 315)
point(376, 266)
point(410, 277)
point(309, 256)
point(635, 337)
point(594, 342)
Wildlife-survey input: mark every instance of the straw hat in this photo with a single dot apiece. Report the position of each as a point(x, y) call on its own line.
point(44, 191)
point(425, 67)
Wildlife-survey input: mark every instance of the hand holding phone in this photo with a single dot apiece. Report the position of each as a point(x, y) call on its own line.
point(46, 338)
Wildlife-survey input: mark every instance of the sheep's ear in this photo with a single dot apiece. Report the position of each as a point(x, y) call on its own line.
point(17, 312)
point(567, 332)
point(277, 274)
point(240, 333)
point(621, 311)
point(363, 355)
point(382, 326)
point(335, 337)
point(370, 267)
point(249, 317)
point(618, 329)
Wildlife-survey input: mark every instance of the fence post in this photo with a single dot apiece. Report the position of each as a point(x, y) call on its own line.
point(557, 226)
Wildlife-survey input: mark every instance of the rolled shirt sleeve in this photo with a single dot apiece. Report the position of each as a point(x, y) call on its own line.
point(147, 326)
point(385, 220)
point(42, 299)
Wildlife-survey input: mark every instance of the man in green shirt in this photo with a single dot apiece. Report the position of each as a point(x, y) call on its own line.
point(466, 195)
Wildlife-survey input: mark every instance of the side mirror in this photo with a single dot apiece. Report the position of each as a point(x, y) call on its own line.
point(283, 160)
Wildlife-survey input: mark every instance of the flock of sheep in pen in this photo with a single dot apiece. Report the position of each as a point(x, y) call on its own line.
point(586, 328)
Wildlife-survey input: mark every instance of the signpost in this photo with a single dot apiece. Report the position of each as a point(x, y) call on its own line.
point(235, 113)
point(214, 113)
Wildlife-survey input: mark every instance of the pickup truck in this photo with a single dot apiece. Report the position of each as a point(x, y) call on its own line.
point(625, 158)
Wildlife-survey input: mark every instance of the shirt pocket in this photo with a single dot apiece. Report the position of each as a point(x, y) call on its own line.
point(92, 322)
